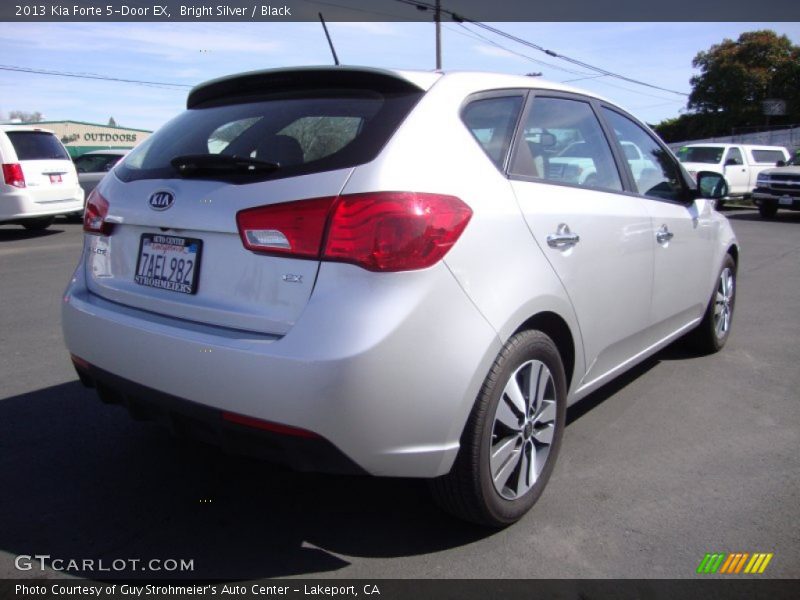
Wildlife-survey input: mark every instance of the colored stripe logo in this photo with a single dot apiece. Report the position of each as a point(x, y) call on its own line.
point(734, 563)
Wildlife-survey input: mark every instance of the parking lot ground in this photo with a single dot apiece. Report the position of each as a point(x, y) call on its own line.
point(684, 455)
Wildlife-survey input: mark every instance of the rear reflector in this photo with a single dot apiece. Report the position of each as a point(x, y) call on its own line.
point(95, 214)
point(381, 231)
point(13, 175)
point(79, 362)
point(267, 425)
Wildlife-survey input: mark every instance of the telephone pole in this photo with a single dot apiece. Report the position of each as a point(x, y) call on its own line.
point(437, 17)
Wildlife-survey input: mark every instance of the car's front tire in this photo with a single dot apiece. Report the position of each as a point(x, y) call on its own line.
point(768, 210)
point(513, 435)
point(715, 328)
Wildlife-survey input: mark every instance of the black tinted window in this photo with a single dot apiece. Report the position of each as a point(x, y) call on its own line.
point(768, 156)
point(491, 121)
point(734, 155)
point(37, 145)
point(656, 173)
point(302, 133)
point(96, 163)
point(701, 154)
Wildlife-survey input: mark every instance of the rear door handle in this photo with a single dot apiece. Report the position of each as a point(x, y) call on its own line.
point(664, 235)
point(563, 237)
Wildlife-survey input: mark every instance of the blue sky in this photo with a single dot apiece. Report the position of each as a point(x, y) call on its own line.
point(189, 53)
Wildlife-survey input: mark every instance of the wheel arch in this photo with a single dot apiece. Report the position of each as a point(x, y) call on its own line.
point(556, 328)
point(733, 250)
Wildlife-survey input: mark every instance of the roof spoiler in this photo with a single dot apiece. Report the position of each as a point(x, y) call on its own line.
point(298, 79)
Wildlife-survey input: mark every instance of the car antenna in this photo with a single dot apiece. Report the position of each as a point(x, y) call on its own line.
point(330, 43)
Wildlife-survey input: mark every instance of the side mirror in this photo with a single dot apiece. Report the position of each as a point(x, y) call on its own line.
point(711, 185)
point(780, 163)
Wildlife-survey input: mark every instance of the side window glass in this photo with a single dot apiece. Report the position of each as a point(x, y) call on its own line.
point(734, 155)
point(564, 143)
point(491, 122)
point(655, 173)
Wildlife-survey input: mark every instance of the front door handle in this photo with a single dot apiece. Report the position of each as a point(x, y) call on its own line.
point(563, 237)
point(663, 235)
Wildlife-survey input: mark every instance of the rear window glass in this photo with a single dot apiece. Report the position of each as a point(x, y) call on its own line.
point(36, 145)
point(96, 163)
point(701, 154)
point(301, 133)
point(768, 156)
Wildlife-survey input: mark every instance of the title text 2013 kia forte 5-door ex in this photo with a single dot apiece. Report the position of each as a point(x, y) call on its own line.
point(393, 273)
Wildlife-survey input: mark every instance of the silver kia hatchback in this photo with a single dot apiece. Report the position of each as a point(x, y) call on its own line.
point(405, 274)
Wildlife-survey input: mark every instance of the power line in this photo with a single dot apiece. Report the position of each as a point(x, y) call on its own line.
point(478, 36)
point(462, 19)
point(161, 84)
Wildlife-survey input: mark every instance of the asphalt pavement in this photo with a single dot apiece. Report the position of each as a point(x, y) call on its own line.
point(682, 456)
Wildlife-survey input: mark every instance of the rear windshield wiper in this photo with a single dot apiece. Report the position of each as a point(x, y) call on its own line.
point(194, 165)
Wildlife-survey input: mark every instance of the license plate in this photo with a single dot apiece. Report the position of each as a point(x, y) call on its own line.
point(55, 178)
point(785, 200)
point(168, 262)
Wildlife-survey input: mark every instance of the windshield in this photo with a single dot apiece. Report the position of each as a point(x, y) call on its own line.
point(701, 154)
point(300, 133)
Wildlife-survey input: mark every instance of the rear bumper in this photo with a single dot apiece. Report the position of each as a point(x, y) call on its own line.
point(20, 204)
point(190, 420)
point(384, 369)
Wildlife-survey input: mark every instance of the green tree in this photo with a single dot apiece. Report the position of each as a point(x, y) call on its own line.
point(25, 117)
point(734, 78)
point(112, 122)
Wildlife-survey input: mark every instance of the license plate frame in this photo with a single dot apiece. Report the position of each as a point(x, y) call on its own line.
point(152, 272)
point(786, 200)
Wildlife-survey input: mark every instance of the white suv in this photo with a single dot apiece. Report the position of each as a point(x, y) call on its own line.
point(39, 180)
point(387, 273)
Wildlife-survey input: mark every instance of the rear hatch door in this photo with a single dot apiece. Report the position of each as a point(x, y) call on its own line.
point(50, 175)
point(175, 248)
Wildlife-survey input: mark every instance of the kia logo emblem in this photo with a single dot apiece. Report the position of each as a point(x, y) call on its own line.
point(161, 200)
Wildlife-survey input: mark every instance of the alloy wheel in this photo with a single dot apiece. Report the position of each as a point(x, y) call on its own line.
point(522, 431)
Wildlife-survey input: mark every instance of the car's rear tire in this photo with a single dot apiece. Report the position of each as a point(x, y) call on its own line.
point(39, 224)
point(768, 210)
point(712, 333)
point(512, 438)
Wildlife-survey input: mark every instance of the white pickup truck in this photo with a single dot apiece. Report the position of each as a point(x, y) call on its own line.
point(740, 164)
point(778, 188)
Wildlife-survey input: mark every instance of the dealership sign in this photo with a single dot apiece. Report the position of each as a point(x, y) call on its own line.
point(109, 137)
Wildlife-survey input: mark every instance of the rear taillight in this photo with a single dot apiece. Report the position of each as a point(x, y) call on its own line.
point(394, 231)
point(13, 175)
point(95, 214)
point(382, 231)
point(290, 228)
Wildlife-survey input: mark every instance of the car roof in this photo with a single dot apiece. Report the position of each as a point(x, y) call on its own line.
point(12, 127)
point(728, 144)
point(318, 76)
point(114, 151)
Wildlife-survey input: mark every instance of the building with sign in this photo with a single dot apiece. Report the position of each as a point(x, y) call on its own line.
point(80, 137)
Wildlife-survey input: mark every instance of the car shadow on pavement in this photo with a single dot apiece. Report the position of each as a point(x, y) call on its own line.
point(20, 233)
point(83, 481)
point(782, 216)
point(677, 350)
